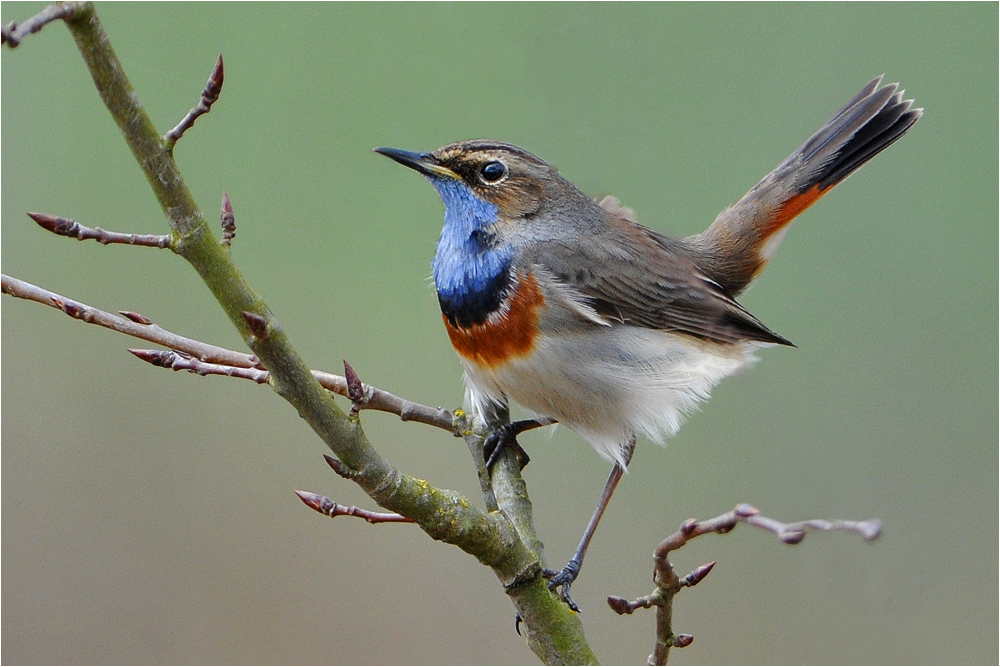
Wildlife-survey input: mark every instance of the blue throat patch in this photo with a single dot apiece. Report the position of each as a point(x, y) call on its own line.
point(471, 275)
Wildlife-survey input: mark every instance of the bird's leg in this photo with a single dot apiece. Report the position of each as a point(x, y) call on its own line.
point(506, 436)
point(565, 578)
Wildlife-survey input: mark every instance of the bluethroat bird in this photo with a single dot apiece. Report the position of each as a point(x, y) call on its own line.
point(582, 316)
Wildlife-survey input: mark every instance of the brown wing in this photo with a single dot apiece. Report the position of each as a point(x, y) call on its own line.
point(630, 274)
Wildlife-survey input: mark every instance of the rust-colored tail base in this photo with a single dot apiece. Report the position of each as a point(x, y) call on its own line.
point(745, 236)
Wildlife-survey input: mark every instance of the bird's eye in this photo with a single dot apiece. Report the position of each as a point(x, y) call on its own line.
point(492, 172)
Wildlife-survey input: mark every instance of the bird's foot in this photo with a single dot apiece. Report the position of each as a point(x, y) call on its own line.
point(563, 580)
point(506, 436)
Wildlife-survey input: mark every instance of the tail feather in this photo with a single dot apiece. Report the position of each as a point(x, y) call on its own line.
point(885, 128)
point(744, 237)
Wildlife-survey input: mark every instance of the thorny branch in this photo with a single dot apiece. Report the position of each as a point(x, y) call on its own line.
point(668, 584)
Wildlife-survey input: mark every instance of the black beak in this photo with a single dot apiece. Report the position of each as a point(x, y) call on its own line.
point(422, 162)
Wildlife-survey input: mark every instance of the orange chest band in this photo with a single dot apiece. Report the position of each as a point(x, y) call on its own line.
point(506, 334)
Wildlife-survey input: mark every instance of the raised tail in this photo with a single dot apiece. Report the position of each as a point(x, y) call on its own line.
point(744, 237)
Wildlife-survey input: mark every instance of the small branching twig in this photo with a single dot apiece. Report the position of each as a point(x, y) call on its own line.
point(73, 229)
point(209, 96)
point(205, 359)
point(370, 398)
point(133, 324)
point(14, 32)
point(324, 505)
point(668, 584)
point(789, 533)
point(181, 361)
point(228, 220)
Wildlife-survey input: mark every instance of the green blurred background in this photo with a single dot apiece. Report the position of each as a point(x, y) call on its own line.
point(149, 516)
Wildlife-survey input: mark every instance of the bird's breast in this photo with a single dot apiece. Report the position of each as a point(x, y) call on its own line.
point(506, 333)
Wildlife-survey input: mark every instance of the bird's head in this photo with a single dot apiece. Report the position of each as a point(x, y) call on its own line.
point(483, 178)
point(499, 200)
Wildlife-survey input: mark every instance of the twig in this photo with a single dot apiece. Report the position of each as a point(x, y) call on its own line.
point(14, 32)
point(133, 324)
point(789, 533)
point(324, 505)
point(668, 584)
point(73, 229)
point(205, 359)
point(384, 401)
point(209, 96)
point(181, 361)
point(371, 398)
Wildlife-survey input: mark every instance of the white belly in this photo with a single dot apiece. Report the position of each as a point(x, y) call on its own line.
point(610, 383)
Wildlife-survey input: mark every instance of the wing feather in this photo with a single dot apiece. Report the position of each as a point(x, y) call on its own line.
point(629, 274)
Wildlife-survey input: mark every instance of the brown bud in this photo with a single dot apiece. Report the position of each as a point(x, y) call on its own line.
point(321, 504)
point(619, 605)
point(55, 224)
point(228, 220)
point(257, 324)
point(354, 389)
point(792, 535)
point(696, 575)
point(135, 317)
point(215, 80)
point(340, 467)
point(161, 358)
